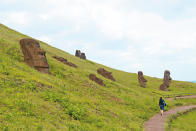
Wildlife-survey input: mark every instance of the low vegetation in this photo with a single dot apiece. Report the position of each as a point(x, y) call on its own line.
point(183, 121)
point(66, 99)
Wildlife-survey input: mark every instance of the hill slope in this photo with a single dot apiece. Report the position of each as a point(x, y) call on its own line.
point(66, 99)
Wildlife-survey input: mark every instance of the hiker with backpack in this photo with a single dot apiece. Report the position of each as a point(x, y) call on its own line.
point(162, 104)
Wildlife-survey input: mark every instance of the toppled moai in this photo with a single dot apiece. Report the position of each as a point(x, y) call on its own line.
point(80, 54)
point(34, 56)
point(105, 74)
point(166, 81)
point(96, 79)
point(63, 60)
point(142, 81)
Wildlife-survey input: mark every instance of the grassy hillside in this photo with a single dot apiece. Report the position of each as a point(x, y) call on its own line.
point(66, 99)
point(184, 123)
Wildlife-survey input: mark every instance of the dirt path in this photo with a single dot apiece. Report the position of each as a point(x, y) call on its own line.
point(182, 97)
point(157, 123)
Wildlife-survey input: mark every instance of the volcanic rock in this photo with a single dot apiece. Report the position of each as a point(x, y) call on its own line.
point(96, 79)
point(142, 81)
point(105, 74)
point(63, 60)
point(34, 56)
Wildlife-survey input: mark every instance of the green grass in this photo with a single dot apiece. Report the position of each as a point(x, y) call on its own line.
point(66, 99)
point(186, 122)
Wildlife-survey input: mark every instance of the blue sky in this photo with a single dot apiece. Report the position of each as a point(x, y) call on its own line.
point(129, 35)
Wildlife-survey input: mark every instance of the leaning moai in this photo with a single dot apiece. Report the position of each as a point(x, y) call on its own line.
point(78, 53)
point(142, 81)
point(166, 81)
point(83, 56)
point(34, 56)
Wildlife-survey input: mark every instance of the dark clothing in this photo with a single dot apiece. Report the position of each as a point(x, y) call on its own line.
point(162, 104)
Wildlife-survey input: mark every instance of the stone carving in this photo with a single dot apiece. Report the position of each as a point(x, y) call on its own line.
point(34, 56)
point(63, 60)
point(166, 81)
point(80, 54)
point(96, 79)
point(142, 81)
point(105, 74)
point(83, 56)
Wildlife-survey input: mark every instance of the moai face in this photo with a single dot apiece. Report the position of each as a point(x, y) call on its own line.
point(142, 81)
point(167, 79)
point(83, 56)
point(78, 53)
point(33, 55)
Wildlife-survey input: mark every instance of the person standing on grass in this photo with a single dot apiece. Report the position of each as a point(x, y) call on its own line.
point(162, 104)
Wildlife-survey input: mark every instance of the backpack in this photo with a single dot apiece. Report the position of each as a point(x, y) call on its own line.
point(163, 103)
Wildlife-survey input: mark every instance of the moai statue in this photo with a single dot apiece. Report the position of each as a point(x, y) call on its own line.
point(78, 53)
point(83, 56)
point(142, 81)
point(166, 81)
point(34, 56)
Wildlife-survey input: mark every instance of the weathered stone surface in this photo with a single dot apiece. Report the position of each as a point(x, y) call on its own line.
point(105, 74)
point(78, 53)
point(83, 56)
point(163, 87)
point(166, 81)
point(34, 56)
point(63, 60)
point(96, 79)
point(142, 81)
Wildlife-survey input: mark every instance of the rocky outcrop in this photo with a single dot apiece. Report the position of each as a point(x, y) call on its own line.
point(142, 81)
point(166, 81)
point(63, 60)
point(34, 56)
point(96, 79)
point(105, 74)
point(80, 54)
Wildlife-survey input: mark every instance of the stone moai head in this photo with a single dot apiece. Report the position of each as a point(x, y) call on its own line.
point(34, 56)
point(78, 53)
point(167, 79)
point(83, 56)
point(142, 81)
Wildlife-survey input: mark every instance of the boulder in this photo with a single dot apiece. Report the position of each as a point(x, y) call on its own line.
point(34, 56)
point(96, 79)
point(105, 74)
point(142, 81)
point(63, 60)
point(166, 81)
